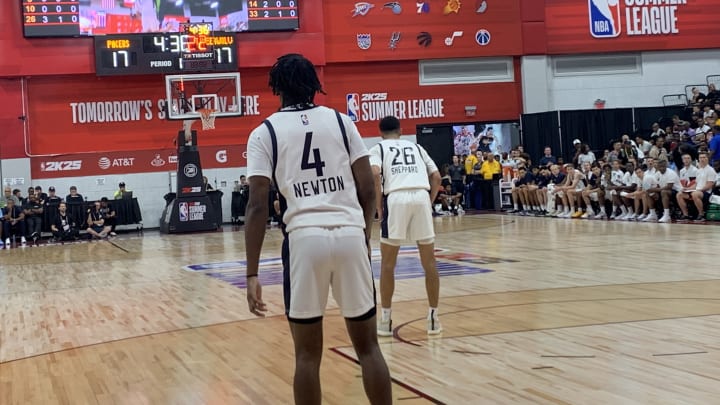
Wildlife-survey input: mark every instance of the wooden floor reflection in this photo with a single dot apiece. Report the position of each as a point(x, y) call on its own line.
point(535, 311)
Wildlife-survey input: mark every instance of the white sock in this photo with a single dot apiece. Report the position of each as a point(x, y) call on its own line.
point(666, 213)
point(432, 313)
point(515, 206)
point(602, 209)
point(631, 211)
point(386, 312)
point(623, 209)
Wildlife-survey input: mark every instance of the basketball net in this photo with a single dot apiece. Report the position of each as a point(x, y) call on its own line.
point(207, 117)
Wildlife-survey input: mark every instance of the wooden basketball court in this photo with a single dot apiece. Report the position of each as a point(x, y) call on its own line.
point(535, 311)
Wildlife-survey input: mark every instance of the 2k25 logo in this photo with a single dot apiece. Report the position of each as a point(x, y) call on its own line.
point(66, 165)
point(374, 97)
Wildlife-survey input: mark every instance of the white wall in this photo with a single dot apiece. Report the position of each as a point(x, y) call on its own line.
point(661, 73)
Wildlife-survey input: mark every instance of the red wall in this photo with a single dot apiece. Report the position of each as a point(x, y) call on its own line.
point(60, 72)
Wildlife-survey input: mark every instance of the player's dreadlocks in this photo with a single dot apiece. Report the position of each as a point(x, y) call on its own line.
point(294, 77)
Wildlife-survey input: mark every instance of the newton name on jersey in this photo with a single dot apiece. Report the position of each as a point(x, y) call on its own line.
point(312, 188)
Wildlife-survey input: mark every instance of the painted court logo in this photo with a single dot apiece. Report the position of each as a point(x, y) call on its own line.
point(604, 18)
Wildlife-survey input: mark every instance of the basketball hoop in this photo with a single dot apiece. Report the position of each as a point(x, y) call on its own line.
point(207, 117)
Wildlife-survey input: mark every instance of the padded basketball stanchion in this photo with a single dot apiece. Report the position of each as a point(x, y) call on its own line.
point(190, 209)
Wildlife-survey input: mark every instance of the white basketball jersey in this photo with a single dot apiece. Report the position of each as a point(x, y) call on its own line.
point(313, 170)
point(404, 165)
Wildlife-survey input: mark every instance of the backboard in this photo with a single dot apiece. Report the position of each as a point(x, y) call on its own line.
point(188, 94)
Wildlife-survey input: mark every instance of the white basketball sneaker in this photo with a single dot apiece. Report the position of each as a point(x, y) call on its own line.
point(433, 325)
point(384, 327)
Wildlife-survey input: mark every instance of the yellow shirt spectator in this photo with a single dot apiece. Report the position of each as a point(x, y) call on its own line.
point(489, 168)
point(470, 162)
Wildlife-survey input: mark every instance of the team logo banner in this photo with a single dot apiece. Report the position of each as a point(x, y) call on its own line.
point(578, 26)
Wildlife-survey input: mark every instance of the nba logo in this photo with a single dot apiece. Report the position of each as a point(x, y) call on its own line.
point(353, 106)
point(183, 208)
point(604, 18)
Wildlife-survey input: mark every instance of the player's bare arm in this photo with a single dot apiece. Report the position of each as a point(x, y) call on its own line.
point(378, 191)
point(435, 182)
point(256, 216)
point(365, 183)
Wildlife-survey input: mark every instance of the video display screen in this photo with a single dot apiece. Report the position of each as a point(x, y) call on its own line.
point(63, 18)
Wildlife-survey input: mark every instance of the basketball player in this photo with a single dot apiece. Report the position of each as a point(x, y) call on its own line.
point(405, 173)
point(322, 171)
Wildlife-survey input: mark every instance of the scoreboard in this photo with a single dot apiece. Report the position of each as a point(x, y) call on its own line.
point(68, 18)
point(270, 15)
point(165, 53)
point(51, 18)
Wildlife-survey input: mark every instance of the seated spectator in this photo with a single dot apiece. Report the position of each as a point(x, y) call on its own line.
point(614, 154)
point(643, 145)
point(636, 198)
point(64, 228)
point(33, 211)
point(714, 145)
point(631, 182)
point(8, 195)
point(656, 132)
point(594, 192)
point(548, 159)
point(698, 97)
point(519, 192)
point(121, 192)
point(96, 223)
point(13, 221)
point(542, 180)
point(713, 93)
point(614, 187)
point(658, 151)
point(572, 189)
point(666, 190)
point(700, 195)
point(108, 214)
point(74, 197)
point(557, 177)
point(585, 156)
point(448, 201)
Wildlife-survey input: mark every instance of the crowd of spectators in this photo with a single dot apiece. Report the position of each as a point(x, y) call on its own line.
point(671, 175)
point(663, 175)
point(24, 218)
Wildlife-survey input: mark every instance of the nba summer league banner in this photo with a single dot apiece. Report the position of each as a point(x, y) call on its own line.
point(581, 26)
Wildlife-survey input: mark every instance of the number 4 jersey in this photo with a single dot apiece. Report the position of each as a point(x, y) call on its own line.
point(309, 153)
point(404, 165)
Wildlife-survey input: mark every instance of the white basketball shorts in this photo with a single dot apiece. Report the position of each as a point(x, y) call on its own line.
point(315, 259)
point(407, 216)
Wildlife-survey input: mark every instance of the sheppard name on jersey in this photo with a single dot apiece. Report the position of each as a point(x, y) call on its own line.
point(652, 17)
point(404, 169)
point(320, 186)
point(403, 109)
